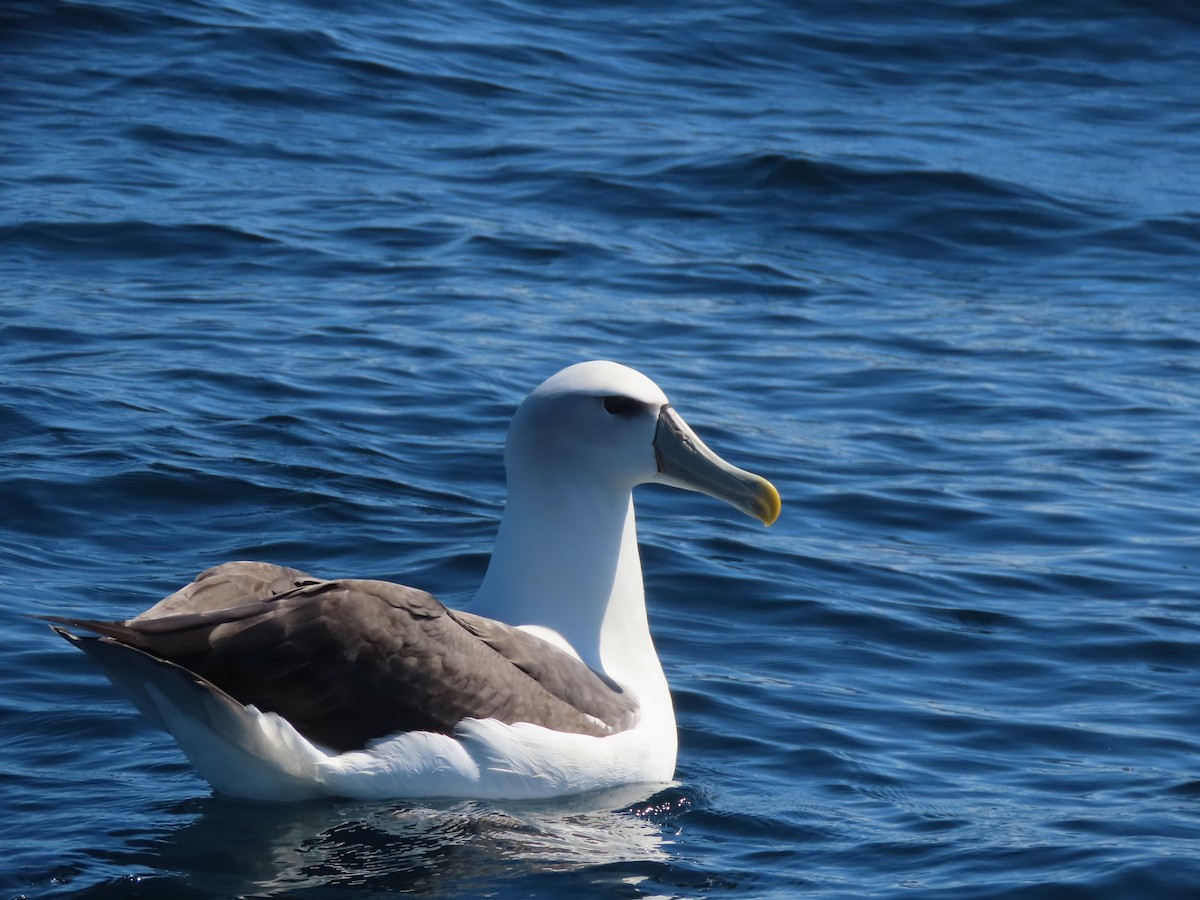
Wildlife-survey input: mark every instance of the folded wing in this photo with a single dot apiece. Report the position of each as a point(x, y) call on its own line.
point(349, 661)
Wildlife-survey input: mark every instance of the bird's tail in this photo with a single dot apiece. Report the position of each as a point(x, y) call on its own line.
point(238, 749)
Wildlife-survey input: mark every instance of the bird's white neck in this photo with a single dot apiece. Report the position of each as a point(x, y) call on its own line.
point(566, 559)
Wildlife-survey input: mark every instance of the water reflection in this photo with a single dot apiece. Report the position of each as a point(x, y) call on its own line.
point(232, 848)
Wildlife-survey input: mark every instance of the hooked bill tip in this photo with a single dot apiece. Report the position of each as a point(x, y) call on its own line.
point(769, 503)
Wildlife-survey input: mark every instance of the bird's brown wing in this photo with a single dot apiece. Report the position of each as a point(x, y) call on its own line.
point(348, 661)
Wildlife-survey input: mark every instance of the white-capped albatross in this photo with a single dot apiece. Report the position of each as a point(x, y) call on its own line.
point(281, 686)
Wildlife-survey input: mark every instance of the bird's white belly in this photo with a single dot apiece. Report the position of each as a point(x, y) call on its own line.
point(263, 757)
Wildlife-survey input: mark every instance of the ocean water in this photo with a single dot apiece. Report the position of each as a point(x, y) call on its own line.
point(274, 276)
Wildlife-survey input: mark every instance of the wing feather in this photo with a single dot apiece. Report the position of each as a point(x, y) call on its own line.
point(350, 661)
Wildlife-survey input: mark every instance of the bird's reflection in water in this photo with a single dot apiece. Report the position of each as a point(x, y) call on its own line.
point(234, 848)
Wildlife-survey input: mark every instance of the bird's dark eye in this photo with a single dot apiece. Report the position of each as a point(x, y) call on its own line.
point(621, 406)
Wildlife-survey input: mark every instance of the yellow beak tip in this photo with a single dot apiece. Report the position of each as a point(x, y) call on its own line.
point(771, 504)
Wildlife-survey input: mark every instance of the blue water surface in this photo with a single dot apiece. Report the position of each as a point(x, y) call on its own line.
point(274, 276)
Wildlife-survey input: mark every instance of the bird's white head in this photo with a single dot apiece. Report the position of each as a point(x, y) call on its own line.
point(594, 420)
point(613, 426)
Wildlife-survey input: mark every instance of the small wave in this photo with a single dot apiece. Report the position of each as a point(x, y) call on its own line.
point(132, 239)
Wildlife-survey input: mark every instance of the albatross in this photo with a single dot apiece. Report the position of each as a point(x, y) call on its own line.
point(278, 685)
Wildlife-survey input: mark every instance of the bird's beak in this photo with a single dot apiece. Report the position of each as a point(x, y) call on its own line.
point(685, 462)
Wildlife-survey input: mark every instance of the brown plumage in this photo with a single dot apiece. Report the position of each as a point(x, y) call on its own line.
point(348, 661)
